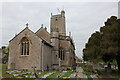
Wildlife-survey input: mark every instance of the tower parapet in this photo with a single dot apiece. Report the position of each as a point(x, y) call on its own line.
point(63, 13)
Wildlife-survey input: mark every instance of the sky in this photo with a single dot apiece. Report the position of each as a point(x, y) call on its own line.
point(82, 18)
point(119, 9)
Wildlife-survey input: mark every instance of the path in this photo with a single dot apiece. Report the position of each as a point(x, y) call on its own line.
point(73, 75)
point(79, 73)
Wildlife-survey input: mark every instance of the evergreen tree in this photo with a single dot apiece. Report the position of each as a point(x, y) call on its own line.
point(105, 44)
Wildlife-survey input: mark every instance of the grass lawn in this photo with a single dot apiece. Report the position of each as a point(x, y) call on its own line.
point(4, 67)
point(43, 73)
point(88, 75)
point(86, 71)
point(67, 74)
point(0, 70)
point(54, 75)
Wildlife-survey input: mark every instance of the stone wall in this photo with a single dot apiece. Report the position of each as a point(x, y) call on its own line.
point(69, 53)
point(46, 57)
point(16, 61)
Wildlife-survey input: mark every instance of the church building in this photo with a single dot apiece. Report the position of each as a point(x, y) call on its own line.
point(43, 50)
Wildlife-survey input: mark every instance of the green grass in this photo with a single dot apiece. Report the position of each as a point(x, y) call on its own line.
point(67, 74)
point(88, 75)
point(0, 70)
point(43, 73)
point(54, 75)
point(4, 67)
point(3, 70)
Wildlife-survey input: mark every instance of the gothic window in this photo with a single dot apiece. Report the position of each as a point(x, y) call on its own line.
point(62, 54)
point(24, 46)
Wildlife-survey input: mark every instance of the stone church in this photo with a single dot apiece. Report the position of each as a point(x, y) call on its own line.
point(43, 50)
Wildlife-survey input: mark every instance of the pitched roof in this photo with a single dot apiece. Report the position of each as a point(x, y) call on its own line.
point(23, 31)
point(42, 33)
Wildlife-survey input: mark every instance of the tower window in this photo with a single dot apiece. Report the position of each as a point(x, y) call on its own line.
point(24, 46)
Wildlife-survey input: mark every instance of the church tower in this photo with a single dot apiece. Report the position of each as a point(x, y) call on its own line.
point(57, 28)
point(58, 22)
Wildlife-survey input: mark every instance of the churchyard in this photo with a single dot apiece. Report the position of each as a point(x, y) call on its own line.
point(27, 74)
point(82, 71)
point(79, 73)
point(49, 74)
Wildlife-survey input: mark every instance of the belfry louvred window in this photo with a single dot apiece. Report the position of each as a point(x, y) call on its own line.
point(24, 46)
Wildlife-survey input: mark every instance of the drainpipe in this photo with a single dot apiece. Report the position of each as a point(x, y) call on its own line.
point(41, 58)
point(42, 55)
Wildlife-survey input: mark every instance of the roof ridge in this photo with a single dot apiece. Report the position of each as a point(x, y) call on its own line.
point(22, 31)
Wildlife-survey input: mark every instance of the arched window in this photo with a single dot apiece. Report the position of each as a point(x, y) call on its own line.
point(62, 54)
point(24, 46)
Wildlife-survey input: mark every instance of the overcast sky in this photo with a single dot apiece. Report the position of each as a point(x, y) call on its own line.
point(82, 18)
